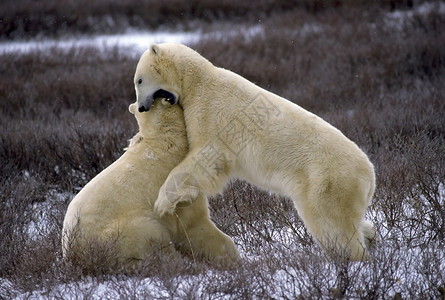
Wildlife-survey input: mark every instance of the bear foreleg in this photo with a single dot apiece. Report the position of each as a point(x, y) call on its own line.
point(194, 175)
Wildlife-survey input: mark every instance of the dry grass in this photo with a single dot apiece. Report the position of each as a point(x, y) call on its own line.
point(64, 118)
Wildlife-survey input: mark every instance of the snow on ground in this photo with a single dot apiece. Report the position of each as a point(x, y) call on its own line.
point(397, 19)
point(138, 40)
point(135, 41)
point(43, 212)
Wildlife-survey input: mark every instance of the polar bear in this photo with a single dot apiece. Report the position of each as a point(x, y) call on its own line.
point(117, 204)
point(237, 129)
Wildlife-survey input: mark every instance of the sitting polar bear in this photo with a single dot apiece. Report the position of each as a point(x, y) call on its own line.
point(117, 205)
point(237, 129)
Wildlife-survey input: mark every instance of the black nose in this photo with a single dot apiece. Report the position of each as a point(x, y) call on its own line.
point(142, 108)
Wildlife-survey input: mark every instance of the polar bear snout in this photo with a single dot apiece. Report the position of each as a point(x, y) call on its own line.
point(145, 104)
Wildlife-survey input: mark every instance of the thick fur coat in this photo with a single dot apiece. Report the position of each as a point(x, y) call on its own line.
point(237, 129)
point(116, 207)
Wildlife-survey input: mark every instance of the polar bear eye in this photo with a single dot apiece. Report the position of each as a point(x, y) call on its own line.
point(140, 81)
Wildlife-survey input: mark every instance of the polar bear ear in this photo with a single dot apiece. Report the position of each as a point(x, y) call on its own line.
point(133, 108)
point(155, 49)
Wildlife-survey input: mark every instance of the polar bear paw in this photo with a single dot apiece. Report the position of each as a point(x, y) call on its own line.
point(178, 188)
point(163, 207)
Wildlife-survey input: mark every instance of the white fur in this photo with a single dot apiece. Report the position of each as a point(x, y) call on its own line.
point(118, 202)
point(237, 129)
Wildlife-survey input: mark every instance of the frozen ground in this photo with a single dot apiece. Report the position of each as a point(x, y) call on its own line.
point(282, 280)
point(398, 18)
point(138, 40)
point(135, 41)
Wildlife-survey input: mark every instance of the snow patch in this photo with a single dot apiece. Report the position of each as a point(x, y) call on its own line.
point(136, 42)
point(397, 19)
point(43, 214)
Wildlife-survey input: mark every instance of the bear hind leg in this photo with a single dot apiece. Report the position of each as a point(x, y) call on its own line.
point(369, 234)
point(338, 235)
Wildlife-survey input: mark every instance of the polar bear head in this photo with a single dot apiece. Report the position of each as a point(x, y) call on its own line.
point(166, 71)
point(163, 117)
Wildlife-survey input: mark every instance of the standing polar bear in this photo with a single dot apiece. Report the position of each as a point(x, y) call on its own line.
point(237, 129)
point(116, 207)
